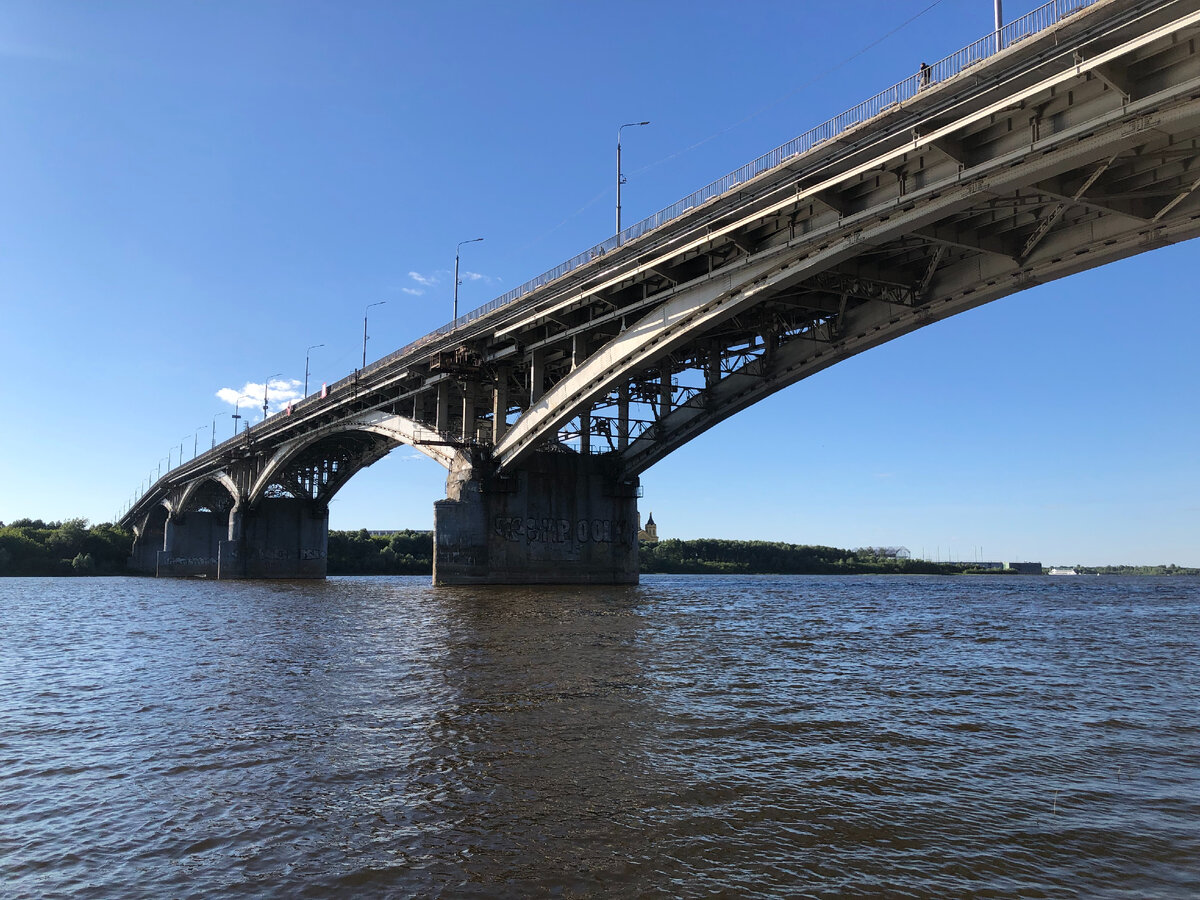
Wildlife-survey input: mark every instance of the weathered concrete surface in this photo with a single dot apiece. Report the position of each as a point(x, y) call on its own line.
point(191, 545)
point(229, 560)
point(143, 559)
point(283, 537)
point(562, 518)
point(148, 543)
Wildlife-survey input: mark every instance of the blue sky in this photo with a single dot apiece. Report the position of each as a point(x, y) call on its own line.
point(192, 194)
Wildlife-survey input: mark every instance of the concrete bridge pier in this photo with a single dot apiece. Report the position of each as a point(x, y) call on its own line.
point(190, 545)
point(559, 518)
point(144, 556)
point(148, 542)
point(281, 537)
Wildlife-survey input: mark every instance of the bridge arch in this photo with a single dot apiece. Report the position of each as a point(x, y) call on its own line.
point(881, 253)
point(199, 491)
point(318, 464)
point(157, 515)
point(150, 537)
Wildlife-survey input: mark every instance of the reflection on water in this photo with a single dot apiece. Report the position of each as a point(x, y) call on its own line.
point(1003, 737)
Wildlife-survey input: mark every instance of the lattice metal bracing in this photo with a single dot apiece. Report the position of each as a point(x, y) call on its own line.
point(322, 468)
point(209, 497)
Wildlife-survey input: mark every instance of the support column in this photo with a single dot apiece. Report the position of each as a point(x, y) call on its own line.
point(144, 556)
point(537, 375)
point(712, 368)
point(150, 540)
point(284, 537)
point(559, 518)
point(468, 411)
point(229, 552)
point(443, 407)
point(664, 393)
point(500, 405)
point(623, 417)
point(579, 350)
point(191, 545)
point(585, 429)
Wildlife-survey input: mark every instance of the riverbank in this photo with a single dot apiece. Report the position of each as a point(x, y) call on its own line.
point(411, 553)
point(73, 547)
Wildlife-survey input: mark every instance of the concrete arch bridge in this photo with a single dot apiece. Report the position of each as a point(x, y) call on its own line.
point(1066, 141)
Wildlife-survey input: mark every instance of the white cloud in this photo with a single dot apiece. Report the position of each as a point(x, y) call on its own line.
point(476, 276)
point(433, 279)
point(279, 392)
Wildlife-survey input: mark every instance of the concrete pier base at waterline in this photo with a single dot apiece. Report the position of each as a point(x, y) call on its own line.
point(281, 537)
point(560, 518)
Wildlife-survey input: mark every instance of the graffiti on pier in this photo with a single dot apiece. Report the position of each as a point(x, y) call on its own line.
point(560, 531)
point(283, 553)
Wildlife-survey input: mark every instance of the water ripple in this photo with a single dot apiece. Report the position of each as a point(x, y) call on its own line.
point(692, 737)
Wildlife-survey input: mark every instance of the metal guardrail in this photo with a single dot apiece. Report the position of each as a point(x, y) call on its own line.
point(1031, 23)
point(1040, 19)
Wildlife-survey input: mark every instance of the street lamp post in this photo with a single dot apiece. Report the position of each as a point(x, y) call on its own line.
point(181, 440)
point(310, 350)
point(620, 177)
point(999, 23)
point(456, 281)
point(368, 306)
point(213, 430)
point(196, 441)
point(266, 384)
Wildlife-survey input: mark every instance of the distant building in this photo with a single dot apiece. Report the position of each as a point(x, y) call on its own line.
point(649, 534)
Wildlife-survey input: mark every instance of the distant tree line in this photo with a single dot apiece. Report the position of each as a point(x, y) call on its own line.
point(71, 547)
point(411, 553)
point(1170, 569)
point(716, 556)
point(362, 553)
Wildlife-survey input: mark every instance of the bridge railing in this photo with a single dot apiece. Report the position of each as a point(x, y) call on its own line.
point(1031, 23)
point(1040, 19)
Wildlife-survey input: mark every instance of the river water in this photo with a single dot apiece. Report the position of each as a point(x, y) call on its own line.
point(691, 737)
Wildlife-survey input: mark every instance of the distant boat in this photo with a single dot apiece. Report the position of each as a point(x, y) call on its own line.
point(1058, 571)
